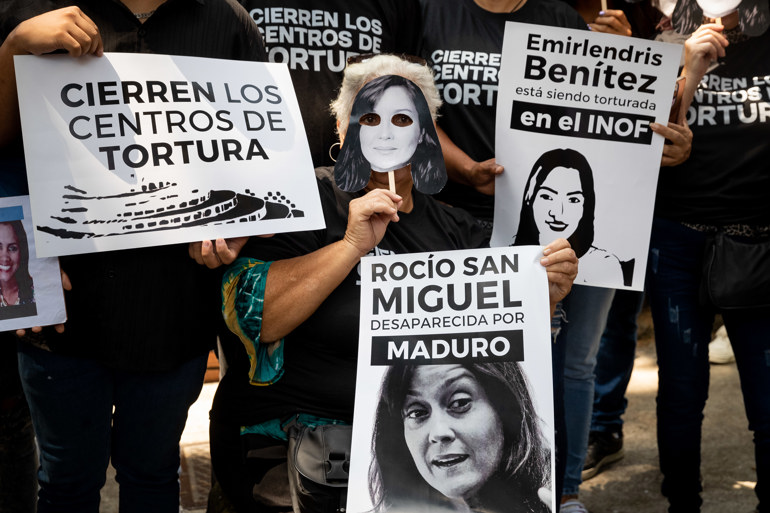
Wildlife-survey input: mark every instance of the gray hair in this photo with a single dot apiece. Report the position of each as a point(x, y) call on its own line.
point(358, 74)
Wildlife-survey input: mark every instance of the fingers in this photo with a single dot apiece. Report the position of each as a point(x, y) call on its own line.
point(65, 281)
point(66, 29)
point(680, 139)
point(612, 21)
point(483, 175)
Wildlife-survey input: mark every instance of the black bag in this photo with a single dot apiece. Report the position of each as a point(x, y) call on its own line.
point(736, 274)
point(319, 464)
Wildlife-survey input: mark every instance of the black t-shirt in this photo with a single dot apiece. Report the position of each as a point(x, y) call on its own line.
point(320, 355)
point(314, 38)
point(152, 308)
point(726, 180)
point(463, 43)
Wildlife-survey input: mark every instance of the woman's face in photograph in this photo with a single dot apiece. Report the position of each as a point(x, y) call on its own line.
point(390, 133)
point(452, 431)
point(10, 254)
point(558, 204)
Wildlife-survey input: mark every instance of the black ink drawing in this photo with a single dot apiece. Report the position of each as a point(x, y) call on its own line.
point(159, 206)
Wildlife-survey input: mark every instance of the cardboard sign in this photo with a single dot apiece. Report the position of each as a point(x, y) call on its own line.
point(573, 134)
point(30, 288)
point(133, 150)
point(453, 346)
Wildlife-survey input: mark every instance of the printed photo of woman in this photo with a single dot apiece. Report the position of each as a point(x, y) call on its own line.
point(559, 201)
point(390, 127)
point(459, 437)
point(16, 286)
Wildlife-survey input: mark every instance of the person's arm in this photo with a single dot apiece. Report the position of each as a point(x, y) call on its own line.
point(67, 29)
point(464, 170)
point(561, 264)
point(296, 287)
point(704, 46)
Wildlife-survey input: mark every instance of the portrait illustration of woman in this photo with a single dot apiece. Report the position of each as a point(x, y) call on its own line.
point(559, 201)
point(458, 437)
point(16, 287)
point(390, 128)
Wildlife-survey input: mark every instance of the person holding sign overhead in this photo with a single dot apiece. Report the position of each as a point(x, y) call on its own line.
point(115, 383)
point(293, 300)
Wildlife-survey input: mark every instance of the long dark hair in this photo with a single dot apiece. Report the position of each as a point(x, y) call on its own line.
point(396, 484)
point(351, 173)
point(23, 278)
point(583, 237)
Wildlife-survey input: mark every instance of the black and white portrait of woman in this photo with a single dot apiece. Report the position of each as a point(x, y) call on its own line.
point(390, 128)
point(560, 201)
point(458, 437)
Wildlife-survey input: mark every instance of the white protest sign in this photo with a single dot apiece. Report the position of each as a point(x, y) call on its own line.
point(30, 288)
point(456, 341)
point(572, 132)
point(133, 150)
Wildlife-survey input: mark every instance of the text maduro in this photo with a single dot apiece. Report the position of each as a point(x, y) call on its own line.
point(472, 347)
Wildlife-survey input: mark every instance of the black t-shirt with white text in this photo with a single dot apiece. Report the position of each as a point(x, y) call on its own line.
point(463, 43)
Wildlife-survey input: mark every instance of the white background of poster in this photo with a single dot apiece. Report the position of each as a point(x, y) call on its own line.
point(46, 277)
point(625, 173)
point(66, 157)
point(529, 285)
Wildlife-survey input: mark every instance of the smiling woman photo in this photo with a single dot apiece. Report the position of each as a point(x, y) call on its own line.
point(559, 201)
point(16, 286)
point(458, 438)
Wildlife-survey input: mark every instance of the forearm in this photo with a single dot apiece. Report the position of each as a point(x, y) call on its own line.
point(296, 287)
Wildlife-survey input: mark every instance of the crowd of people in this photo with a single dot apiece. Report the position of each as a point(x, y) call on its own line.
point(114, 383)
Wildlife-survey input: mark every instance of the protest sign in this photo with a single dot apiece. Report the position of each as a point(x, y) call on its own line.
point(456, 341)
point(572, 132)
point(133, 150)
point(30, 288)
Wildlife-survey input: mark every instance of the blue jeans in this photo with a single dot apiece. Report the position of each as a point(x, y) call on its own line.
point(71, 401)
point(615, 362)
point(586, 309)
point(682, 334)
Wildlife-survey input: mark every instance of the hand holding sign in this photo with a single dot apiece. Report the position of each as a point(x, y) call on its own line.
point(63, 29)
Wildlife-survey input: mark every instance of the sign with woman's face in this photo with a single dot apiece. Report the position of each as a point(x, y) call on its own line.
point(389, 134)
point(390, 128)
point(10, 253)
point(452, 430)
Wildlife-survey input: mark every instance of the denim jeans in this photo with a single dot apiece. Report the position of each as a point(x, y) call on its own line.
point(615, 362)
point(18, 456)
point(682, 334)
point(586, 310)
point(71, 401)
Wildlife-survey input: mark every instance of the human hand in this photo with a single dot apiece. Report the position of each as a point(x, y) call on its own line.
point(611, 21)
point(482, 176)
point(368, 218)
point(680, 136)
point(66, 285)
point(66, 29)
point(561, 264)
point(212, 254)
point(704, 46)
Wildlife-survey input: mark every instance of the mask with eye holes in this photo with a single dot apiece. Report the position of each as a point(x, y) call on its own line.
point(390, 128)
